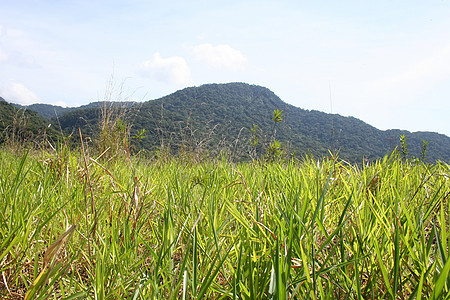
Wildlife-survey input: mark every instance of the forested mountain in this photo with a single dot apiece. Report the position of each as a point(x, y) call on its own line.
point(46, 110)
point(21, 125)
point(54, 111)
point(220, 116)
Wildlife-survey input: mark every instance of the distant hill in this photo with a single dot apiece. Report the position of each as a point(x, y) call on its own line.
point(23, 125)
point(51, 111)
point(218, 116)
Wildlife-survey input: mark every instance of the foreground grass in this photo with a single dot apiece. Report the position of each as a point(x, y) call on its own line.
point(77, 227)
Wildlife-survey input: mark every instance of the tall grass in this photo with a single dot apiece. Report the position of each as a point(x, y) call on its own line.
point(73, 226)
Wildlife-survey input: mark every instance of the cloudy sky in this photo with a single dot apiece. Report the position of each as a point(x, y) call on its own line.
point(384, 62)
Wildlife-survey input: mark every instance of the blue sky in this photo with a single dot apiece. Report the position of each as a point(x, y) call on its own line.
point(384, 62)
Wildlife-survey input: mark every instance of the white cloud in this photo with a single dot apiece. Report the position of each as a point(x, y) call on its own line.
point(18, 93)
point(172, 69)
point(220, 56)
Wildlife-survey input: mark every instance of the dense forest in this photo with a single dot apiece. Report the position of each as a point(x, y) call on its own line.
point(238, 118)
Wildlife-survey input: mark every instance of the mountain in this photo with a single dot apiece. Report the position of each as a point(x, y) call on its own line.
point(214, 117)
point(54, 111)
point(23, 125)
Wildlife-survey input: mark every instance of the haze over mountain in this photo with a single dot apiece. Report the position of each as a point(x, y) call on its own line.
point(218, 116)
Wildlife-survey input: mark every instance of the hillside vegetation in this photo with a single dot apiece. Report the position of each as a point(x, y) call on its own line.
point(49, 111)
point(22, 126)
point(217, 118)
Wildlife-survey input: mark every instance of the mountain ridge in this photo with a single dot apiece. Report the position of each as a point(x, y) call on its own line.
point(54, 111)
point(224, 113)
point(22, 126)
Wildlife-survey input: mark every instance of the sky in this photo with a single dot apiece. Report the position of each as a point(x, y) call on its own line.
point(384, 62)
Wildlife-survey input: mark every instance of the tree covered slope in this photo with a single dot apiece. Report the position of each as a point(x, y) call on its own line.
point(22, 125)
point(218, 116)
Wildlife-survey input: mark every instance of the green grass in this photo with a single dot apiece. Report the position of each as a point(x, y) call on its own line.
point(79, 227)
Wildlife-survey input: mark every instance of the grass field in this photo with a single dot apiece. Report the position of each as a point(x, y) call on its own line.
point(76, 227)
